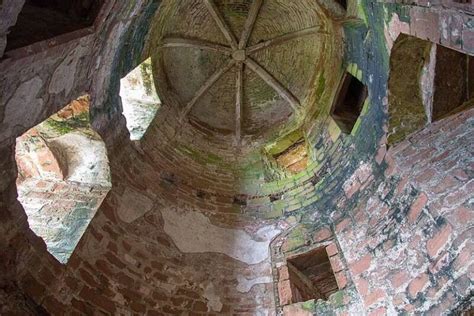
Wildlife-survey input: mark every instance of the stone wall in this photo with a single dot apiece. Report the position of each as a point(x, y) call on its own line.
point(185, 232)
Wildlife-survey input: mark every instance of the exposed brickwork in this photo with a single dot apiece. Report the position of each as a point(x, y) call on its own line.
point(395, 221)
point(429, 260)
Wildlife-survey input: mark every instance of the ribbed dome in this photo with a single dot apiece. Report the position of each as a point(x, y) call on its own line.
point(231, 86)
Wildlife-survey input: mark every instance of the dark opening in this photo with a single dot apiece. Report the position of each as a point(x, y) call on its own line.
point(453, 83)
point(342, 3)
point(40, 20)
point(240, 199)
point(311, 276)
point(463, 1)
point(349, 102)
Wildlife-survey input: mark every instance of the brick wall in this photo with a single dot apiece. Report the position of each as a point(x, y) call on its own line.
point(399, 220)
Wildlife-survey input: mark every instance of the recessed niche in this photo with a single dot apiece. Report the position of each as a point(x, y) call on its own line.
point(140, 101)
point(453, 82)
point(342, 3)
point(288, 155)
point(427, 82)
point(311, 276)
point(349, 102)
point(41, 20)
point(409, 86)
point(63, 177)
point(294, 158)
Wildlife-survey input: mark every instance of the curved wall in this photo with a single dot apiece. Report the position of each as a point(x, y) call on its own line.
point(171, 239)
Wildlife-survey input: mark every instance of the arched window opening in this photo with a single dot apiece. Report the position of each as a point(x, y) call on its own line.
point(140, 101)
point(63, 177)
point(41, 20)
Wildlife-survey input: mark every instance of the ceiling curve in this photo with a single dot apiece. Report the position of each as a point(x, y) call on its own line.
point(240, 68)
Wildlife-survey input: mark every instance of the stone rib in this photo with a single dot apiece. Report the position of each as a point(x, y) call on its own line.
point(285, 38)
point(217, 16)
point(274, 83)
point(195, 43)
point(250, 23)
point(206, 86)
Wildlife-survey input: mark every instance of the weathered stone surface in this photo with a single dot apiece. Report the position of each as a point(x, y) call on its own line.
point(9, 10)
point(133, 205)
point(202, 250)
point(194, 233)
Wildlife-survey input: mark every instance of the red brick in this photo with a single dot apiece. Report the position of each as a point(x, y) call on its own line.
point(283, 273)
point(425, 176)
point(284, 292)
point(342, 225)
point(341, 279)
point(352, 189)
point(361, 265)
point(461, 216)
point(439, 241)
point(381, 311)
point(381, 154)
point(336, 264)
point(425, 24)
point(33, 288)
point(416, 207)
point(322, 234)
point(295, 310)
point(332, 250)
point(398, 279)
point(362, 286)
point(94, 297)
point(418, 284)
point(373, 297)
point(464, 259)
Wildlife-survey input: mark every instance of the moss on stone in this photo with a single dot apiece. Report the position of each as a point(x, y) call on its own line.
point(62, 127)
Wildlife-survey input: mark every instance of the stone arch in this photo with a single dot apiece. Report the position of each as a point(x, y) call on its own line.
point(63, 176)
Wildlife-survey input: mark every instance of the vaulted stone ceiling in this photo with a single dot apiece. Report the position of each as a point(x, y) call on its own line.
point(235, 69)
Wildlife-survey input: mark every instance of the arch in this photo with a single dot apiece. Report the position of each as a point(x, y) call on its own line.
point(63, 176)
point(140, 101)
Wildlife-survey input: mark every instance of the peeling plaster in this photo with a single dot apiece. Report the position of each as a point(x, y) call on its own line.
point(213, 300)
point(245, 285)
point(24, 106)
point(193, 232)
point(64, 76)
point(133, 205)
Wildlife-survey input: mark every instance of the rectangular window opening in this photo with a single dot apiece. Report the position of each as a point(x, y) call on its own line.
point(453, 82)
point(311, 276)
point(349, 102)
point(41, 20)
